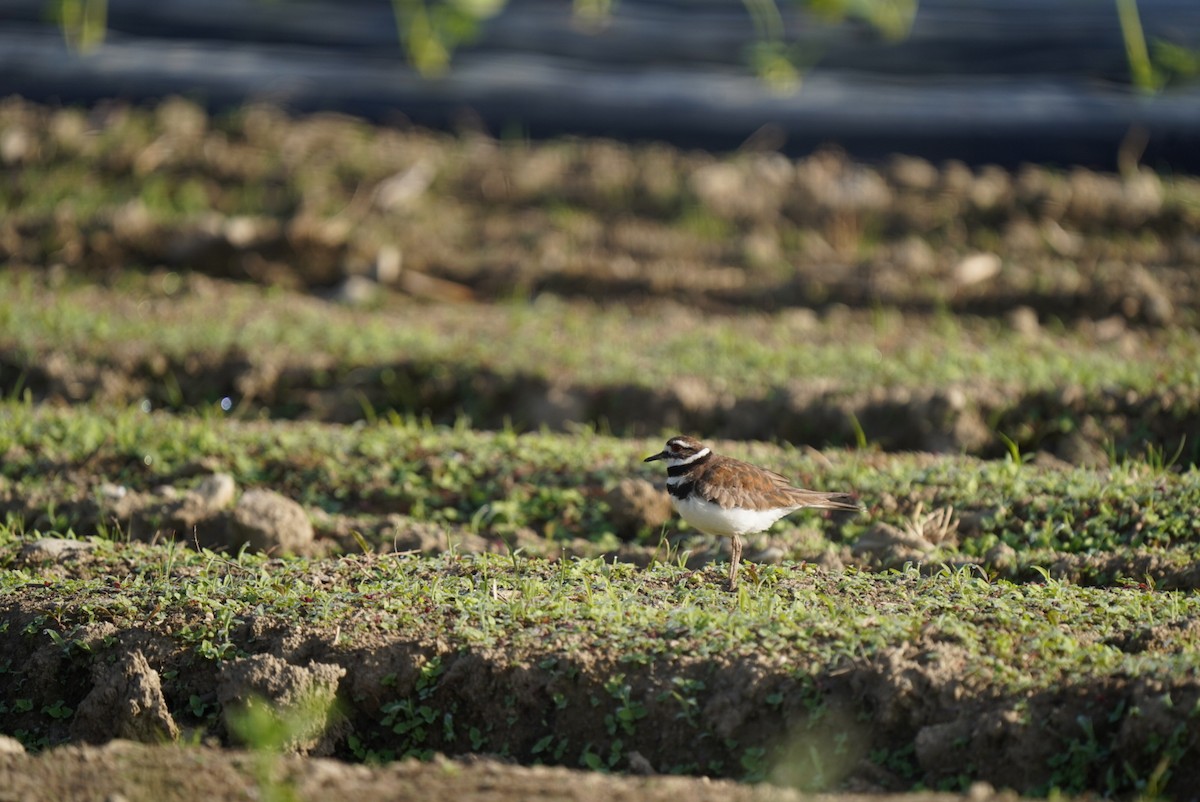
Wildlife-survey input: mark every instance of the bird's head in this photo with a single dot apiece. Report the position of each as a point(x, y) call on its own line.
point(680, 450)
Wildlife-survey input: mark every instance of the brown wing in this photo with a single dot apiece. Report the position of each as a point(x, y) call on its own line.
point(729, 482)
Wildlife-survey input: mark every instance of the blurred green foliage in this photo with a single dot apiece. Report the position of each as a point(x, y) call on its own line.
point(430, 31)
point(83, 22)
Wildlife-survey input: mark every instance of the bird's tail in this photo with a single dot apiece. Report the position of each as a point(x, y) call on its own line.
point(829, 501)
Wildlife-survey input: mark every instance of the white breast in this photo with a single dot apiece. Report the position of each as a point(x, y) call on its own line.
point(710, 519)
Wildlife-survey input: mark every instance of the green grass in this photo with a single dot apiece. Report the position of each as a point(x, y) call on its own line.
point(792, 615)
point(494, 483)
point(657, 643)
point(1053, 612)
point(583, 344)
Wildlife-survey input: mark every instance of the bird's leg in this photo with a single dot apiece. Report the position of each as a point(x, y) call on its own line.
point(735, 560)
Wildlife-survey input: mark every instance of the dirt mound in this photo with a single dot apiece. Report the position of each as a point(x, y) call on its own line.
point(140, 772)
point(452, 219)
point(378, 658)
point(904, 713)
point(1076, 425)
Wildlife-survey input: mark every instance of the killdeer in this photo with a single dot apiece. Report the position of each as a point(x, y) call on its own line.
point(726, 497)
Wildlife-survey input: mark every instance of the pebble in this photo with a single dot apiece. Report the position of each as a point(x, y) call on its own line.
point(55, 548)
point(976, 269)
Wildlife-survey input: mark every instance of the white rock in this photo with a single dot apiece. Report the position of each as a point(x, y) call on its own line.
point(976, 268)
point(55, 548)
point(216, 491)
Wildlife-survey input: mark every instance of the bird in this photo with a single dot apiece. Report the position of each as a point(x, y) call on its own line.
point(726, 497)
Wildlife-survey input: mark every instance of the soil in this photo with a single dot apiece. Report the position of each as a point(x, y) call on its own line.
point(1104, 253)
point(915, 712)
point(137, 772)
point(343, 212)
point(1073, 424)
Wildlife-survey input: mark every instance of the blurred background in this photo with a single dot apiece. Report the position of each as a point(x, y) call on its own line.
point(433, 278)
point(953, 225)
point(986, 81)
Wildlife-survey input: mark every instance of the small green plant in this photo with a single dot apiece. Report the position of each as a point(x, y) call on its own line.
point(411, 720)
point(68, 645)
point(754, 763)
point(628, 712)
point(686, 694)
point(1014, 458)
point(477, 738)
point(58, 710)
point(271, 731)
point(591, 760)
point(1145, 76)
point(83, 22)
point(1079, 758)
point(542, 744)
point(1157, 459)
point(860, 435)
point(200, 708)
